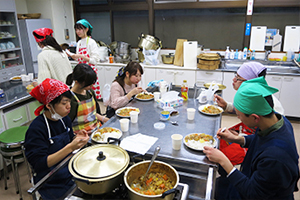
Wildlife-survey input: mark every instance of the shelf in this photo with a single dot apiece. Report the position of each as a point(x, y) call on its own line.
point(7, 59)
point(8, 67)
point(7, 25)
point(8, 50)
point(8, 37)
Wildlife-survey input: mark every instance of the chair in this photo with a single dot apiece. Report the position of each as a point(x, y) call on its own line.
point(12, 151)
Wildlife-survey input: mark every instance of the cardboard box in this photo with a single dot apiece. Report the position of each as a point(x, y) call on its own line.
point(174, 103)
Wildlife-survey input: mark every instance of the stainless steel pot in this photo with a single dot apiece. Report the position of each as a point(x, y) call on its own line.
point(140, 169)
point(149, 42)
point(167, 58)
point(99, 169)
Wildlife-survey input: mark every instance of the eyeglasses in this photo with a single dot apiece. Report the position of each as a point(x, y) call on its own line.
point(238, 78)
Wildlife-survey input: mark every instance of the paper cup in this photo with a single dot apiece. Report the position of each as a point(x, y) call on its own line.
point(124, 123)
point(176, 141)
point(134, 115)
point(191, 113)
point(156, 95)
point(30, 76)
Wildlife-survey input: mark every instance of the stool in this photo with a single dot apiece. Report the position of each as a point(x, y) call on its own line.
point(12, 151)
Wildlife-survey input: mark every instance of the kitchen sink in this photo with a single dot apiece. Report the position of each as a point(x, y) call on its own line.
point(272, 66)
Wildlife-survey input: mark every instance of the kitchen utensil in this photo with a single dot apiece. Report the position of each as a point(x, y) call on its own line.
point(221, 86)
point(174, 123)
point(152, 159)
point(208, 61)
point(167, 58)
point(137, 170)
point(149, 42)
point(291, 38)
point(105, 169)
point(190, 54)
point(257, 38)
point(178, 58)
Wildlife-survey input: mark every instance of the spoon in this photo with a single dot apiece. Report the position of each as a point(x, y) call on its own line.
point(152, 160)
point(174, 123)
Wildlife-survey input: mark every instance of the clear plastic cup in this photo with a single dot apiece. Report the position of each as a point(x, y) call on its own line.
point(124, 123)
point(156, 95)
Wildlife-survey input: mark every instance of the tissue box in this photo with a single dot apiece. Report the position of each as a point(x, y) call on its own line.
point(173, 103)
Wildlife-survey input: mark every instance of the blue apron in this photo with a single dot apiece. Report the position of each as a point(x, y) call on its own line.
point(61, 182)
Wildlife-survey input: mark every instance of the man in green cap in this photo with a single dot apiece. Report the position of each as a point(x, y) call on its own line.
point(270, 169)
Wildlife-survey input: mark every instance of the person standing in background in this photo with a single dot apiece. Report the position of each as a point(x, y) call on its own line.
point(87, 50)
point(53, 62)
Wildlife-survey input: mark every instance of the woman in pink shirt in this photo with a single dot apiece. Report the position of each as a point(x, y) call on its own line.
point(124, 87)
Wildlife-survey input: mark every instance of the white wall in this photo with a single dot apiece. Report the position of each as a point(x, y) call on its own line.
point(59, 11)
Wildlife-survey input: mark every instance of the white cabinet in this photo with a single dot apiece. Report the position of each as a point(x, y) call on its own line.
point(203, 76)
point(229, 92)
point(289, 92)
point(148, 76)
point(176, 76)
point(106, 74)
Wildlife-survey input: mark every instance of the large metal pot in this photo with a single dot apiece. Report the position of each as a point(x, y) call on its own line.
point(149, 42)
point(99, 169)
point(140, 169)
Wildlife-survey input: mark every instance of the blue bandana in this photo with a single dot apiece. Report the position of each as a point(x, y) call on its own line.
point(85, 23)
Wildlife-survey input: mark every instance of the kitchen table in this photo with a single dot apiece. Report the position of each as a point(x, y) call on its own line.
point(193, 166)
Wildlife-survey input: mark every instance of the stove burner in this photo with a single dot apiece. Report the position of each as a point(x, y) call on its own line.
point(120, 193)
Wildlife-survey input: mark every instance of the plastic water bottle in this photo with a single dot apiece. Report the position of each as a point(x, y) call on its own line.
point(232, 54)
point(236, 54)
point(252, 55)
point(245, 51)
point(184, 90)
point(227, 53)
point(240, 55)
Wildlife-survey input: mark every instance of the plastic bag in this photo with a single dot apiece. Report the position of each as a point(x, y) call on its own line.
point(106, 94)
point(151, 56)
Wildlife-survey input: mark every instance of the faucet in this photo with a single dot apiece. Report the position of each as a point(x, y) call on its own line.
point(267, 54)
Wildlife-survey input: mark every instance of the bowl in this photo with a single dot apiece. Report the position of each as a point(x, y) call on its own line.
point(167, 58)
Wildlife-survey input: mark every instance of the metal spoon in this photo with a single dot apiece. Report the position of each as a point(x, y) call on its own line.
point(152, 159)
point(174, 123)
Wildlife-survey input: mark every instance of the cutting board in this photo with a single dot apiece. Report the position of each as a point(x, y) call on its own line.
point(178, 58)
point(190, 54)
point(258, 37)
point(291, 38)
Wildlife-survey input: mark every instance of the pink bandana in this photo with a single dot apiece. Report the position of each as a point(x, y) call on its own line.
point(47, 91)
point(250, 70)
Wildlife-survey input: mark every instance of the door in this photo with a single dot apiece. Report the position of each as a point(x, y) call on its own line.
point(229, 92)
point(275, 81)
point(166, 75)
point(188, 75)
point(148, 76)
point(290, 95)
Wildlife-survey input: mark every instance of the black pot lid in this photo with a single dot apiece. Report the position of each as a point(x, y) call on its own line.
point(100, 161)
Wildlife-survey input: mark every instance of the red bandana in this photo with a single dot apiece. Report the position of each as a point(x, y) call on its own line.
point(47, 91)
point(42, 32)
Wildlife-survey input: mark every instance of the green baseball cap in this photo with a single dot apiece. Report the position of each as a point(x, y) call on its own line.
point(249, 98)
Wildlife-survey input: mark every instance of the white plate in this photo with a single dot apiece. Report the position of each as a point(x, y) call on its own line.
point(120, 109)
point(144, 99)
point(12, 78)
point(101, 135)
point(200, 108)
point(199, 144)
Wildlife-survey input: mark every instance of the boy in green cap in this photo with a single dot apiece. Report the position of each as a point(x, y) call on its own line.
point(270, 168)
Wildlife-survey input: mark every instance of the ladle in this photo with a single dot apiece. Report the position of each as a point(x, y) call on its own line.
point(152, 159)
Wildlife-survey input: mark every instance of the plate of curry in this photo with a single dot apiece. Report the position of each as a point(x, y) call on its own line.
point(125, 112)
point(144, 96)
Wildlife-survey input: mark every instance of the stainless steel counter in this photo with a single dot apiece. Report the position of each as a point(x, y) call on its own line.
point(14, 92)
point(193, 167)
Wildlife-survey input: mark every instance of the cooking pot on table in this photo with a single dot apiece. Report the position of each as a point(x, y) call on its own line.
point(149, 42)
point(139, 169)
point(99, 169)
